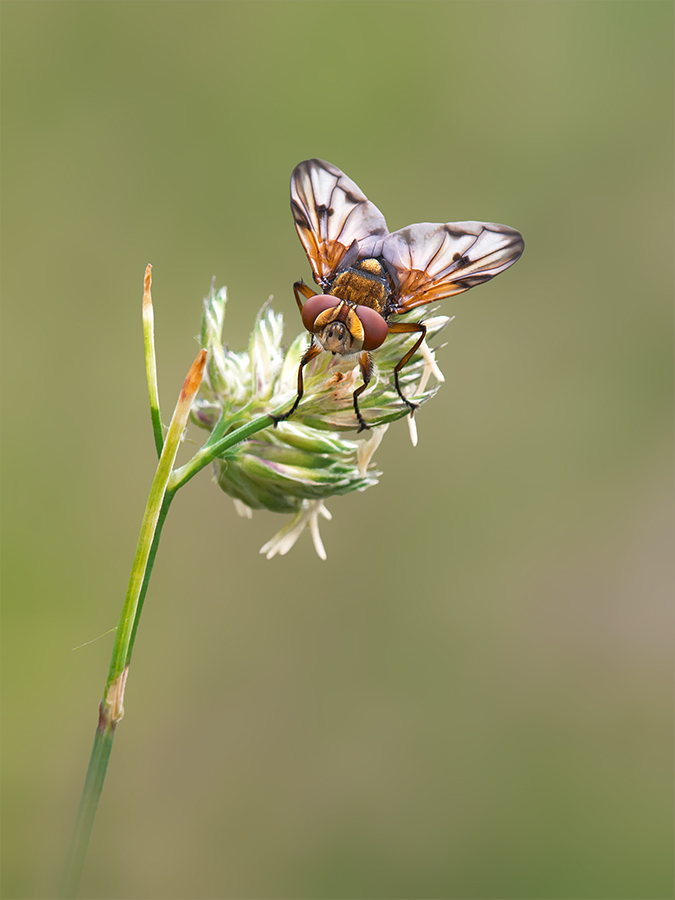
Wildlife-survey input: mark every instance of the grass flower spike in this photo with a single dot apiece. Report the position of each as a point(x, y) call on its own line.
point(296, 466)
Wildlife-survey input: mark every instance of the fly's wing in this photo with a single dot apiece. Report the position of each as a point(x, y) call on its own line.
point(330, 214)
point(437, 261)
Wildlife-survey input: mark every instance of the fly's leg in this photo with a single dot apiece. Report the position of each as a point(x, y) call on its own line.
point(302, 288)
point(313, 350)
point(366, 365)
point(407, 328)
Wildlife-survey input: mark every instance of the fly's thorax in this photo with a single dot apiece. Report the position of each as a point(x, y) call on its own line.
point(366, 283)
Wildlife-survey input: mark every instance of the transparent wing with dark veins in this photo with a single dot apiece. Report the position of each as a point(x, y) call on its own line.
point(331, 213)
point(436, 261)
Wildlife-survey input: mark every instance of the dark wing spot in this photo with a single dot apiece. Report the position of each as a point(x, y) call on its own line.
point(454, 232)
point(460, 260)
point(406, 235)
point(472, 281)
point(351, 197)
point(299, 216)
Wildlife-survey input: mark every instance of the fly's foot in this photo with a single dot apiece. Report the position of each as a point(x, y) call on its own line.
point(363, 425)
point(282, 417)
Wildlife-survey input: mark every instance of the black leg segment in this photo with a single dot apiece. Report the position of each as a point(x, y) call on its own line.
point(313, 350)
point(366, 364)
point(407, 328)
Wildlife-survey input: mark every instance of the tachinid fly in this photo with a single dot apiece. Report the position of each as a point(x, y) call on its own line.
point(368, 276)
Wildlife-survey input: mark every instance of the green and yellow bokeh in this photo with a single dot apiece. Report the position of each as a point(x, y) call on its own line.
point(471, 698)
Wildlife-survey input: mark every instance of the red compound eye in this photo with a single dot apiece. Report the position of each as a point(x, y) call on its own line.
point(374, 327)
point(314, 306)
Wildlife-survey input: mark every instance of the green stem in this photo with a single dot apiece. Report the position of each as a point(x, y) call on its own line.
point(120, 653)
point(93, 785)
point(168, 497)
point(103, 741)
point(151, 361)
point(211, 450)
point(111, 708)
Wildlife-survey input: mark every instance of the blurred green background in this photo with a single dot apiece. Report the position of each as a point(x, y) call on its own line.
point(472, 697)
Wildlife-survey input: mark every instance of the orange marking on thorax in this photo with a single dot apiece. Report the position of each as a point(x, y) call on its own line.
point(361, 289)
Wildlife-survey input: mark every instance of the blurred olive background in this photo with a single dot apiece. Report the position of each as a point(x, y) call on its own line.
point(472, 697)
